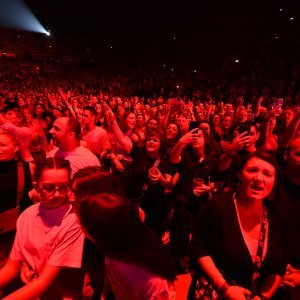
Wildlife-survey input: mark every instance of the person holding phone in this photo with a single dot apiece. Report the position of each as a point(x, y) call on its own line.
point(194, 157)
point(243, 144)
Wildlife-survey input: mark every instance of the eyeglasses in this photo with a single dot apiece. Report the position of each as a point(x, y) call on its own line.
point(50, 188)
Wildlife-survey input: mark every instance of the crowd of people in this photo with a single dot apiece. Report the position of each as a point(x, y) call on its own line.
point(110, 194)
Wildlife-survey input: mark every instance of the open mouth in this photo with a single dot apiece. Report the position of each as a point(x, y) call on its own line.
point(256, 188)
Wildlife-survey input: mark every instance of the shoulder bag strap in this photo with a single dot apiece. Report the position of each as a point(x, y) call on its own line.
point(260, 248)
point(20, 184)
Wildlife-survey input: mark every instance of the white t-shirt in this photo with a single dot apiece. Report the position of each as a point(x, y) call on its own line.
point(51, 237)
point(135, 283)
point(97, 140)
point(79, 158)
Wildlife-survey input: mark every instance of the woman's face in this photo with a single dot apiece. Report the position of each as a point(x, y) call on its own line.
point(171, 131)
point(98, 108)
point(38, 110)
point(21, 102)
point(120, 111)
point(8, 148)
point(152, 125)
point(257, 178)
point(140, 121)
point(216, 120)
point(227, 122)
point(130, 121)
point(27, 115)
point(205, 127)
point(152, 144)
point(54, 187)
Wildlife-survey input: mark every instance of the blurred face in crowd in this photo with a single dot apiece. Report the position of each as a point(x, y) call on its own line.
point(216, 120)
point(130, 121)
point(98, 108)
point(21, 102)
point(79, 116)
point(38, 110)
point(227, 122)
point(253, 136)
point(250, 117)
point(152, 125)
point(152, 143)
point(200, 116)
point(228, 106)
point(8, 147)
point(287, 116)
point(182, 123)
point(56, 113)
point(257, 178)
point(198, 142)
point(120, 111)
point(292, 157)
point(54, 187)
point(205, 127)
point(13, 117)
point(171, 131)
point(27, 115)
point(242, 116)
point(140, 120)
point(87, 118)
point(153, 111)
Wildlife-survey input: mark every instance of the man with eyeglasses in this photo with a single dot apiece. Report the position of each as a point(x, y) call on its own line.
point(66, 134)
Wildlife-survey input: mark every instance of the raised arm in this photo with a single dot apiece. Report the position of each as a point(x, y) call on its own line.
point(175, 156)
point(124, 141)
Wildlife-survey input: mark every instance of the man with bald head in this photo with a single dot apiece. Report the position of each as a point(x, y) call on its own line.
point(289, 211)
point(66, 133)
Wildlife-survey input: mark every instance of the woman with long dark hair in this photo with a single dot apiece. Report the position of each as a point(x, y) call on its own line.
point(137, 264)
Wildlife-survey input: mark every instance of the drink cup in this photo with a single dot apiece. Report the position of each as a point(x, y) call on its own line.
point(198, 182)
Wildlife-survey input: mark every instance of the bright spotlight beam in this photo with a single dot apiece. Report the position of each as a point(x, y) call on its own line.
point(15, 14)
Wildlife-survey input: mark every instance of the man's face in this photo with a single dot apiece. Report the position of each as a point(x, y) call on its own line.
point(242, 116)
point(253, 136)
point(60, 131)
point(87, 117)
point(8, 148)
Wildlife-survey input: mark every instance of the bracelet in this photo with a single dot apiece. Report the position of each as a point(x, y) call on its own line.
point(223, 289)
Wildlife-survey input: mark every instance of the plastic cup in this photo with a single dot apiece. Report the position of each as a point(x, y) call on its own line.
point(198, 182)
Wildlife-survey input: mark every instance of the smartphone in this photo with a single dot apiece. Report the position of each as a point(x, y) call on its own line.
point(277, 103)
point(244, 128)
point(193, 125)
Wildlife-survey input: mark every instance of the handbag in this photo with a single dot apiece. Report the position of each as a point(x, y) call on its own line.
point(8, 219)
point(204, 288)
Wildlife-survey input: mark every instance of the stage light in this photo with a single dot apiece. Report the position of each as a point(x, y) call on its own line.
point(48, 33)
point(237, 61)
point(15, 14)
